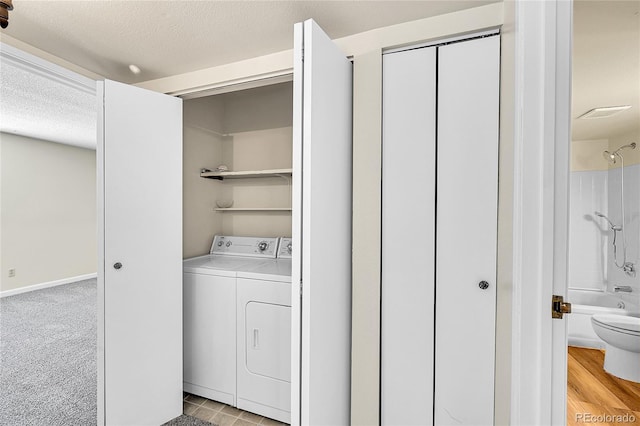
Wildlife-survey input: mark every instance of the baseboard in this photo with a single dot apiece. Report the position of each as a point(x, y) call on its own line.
point(40, 286)
point(582, 342)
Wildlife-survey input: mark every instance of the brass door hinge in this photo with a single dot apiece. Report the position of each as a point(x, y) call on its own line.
point(559, 307)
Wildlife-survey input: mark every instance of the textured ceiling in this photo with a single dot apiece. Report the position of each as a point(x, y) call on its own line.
point(606, 66)
point(38, 106)
point(165, 38)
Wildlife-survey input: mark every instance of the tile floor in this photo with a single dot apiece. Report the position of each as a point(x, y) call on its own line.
point(222, 414)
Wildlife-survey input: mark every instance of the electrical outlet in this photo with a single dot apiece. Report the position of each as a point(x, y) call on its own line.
point(12, 272)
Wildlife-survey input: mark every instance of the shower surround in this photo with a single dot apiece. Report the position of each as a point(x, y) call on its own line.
point(596, 188)
point(592, 274)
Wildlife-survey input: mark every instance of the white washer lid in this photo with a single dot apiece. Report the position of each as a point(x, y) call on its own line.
point(623, 322)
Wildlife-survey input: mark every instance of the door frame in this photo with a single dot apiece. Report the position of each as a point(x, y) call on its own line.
point(542, 134)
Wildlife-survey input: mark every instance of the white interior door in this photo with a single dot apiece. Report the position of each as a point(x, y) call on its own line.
point(140, 256)
point(466, 243)
point(321, 315)
point(439, 233)
point(408, 236)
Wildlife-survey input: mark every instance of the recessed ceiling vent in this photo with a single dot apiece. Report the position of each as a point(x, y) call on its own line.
point(604, 112)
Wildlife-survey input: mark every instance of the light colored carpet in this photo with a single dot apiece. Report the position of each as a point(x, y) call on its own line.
point(48, 358)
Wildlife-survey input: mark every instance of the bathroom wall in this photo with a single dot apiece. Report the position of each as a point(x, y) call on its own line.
point(632, 220)
point(588, 234)
point(632, 210)
point(631, 156)
point(596, 186)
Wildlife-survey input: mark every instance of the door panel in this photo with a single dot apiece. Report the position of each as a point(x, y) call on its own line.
point(209, 366)
point(408, 236)
point(439, 233)
point(321, 340)
point(140, 348)
point(468, 93)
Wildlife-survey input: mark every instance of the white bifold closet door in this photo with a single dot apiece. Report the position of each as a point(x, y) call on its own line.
point(139, 160)
point(439, 233)
point(408, 236)
point(321, 258)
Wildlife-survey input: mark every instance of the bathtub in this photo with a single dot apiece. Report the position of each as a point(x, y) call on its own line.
point(585, 303)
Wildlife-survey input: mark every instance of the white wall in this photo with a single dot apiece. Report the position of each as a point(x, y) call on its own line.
point(245, 130)
point(504, 271)
point(258, 150)
point(596, 186)
point(586, 155)
point(48, 199)
point(281, 63)
point(202, 148)
point(262, 108)
point(367, 237)
point(631, 225)
point(631, 156)
point(632, 208)
point(588, 235)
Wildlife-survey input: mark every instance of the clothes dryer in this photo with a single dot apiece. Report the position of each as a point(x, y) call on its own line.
point(264, 336)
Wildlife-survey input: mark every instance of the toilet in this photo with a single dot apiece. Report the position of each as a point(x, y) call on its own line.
point(622, 335)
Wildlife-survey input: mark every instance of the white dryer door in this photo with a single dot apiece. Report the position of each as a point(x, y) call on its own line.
point(268, 340)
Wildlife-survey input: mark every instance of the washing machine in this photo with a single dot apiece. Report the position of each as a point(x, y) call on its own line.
point(209, 313)
point(264, 336)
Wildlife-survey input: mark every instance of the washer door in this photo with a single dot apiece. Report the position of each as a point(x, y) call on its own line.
point(268, 340)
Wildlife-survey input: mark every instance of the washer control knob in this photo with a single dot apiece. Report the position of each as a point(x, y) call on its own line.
point(289, 248)
point(262, 246)
point(228, 244)
point(220, 243)
point(483, 285)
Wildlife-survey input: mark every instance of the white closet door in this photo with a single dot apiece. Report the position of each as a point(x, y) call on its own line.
point(140, 250)
point(468, 95)
point(321, 323)
point(408, 236)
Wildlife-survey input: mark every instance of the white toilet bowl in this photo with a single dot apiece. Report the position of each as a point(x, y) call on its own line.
point(622, 336)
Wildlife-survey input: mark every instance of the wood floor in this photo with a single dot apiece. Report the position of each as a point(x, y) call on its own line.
point(592, 392)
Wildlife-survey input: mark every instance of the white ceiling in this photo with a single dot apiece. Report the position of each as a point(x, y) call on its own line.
point(39, 102)
point(606, 66)
point(165, 38)
point(172, 37)
point(162, 38)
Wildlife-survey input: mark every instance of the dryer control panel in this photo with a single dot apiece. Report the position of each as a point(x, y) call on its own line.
point(286, 246)
point(245, 246)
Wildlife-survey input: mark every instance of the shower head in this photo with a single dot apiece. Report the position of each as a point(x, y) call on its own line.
point(611, 156)
point(613, 227)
